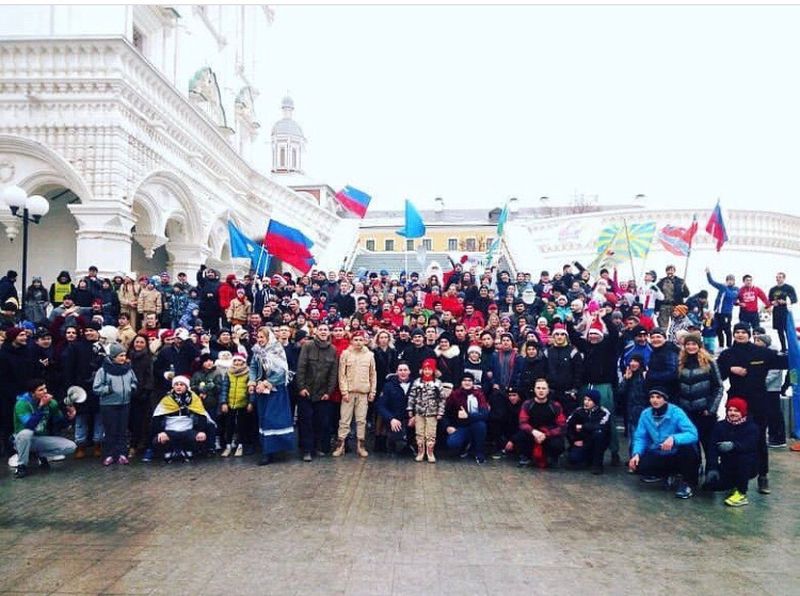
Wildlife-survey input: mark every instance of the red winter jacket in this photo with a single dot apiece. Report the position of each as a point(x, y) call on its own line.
point(227, 291)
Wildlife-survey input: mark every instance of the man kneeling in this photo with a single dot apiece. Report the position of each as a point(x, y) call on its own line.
point(466, 412)
point(36, 414)
point(732, 454)
point(588, 431)
point(541, 429)
point(181, 424)
point(664, 444)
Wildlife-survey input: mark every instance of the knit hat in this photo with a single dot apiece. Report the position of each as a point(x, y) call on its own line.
point(763, 338)
point(238, 356)
point(474, 349)
point(541, 321)
point(694, 338)
point(681, 309)
point(594, 395)
point(639, 330)
point(181, 379)
point(12, 333)
point(742, 327)
point(204, 358)
point(738, 403)
point(658, 331)
point(115, 350)
point(429, 362)
point(417, 331)
point(658, 391)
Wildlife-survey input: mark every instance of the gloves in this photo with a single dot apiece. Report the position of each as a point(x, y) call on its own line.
point(725, 446)
point(712, 477)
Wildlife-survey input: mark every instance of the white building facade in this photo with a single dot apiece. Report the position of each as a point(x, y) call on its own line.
point(139, 125)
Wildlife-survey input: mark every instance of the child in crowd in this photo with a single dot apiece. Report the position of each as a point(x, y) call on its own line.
point(235, 406)
point(425, 409)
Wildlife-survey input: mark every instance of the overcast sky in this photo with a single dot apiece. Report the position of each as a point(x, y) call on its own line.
point(478, 103)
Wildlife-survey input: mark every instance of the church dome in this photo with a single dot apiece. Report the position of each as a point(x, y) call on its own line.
point(287, 126)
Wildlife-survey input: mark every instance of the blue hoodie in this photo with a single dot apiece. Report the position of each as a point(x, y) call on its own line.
point(652, 431)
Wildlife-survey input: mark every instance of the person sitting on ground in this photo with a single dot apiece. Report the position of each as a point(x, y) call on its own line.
point(36, 417)
point(540, 438)
point(666, 443)
point(467, 412)
point(588, 432)
point(181, 425)
point(732, 456)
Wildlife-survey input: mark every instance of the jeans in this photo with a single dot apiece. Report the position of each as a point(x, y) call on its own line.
point(25, 442)
point(473, 435)
point(115, 427)
point(684, 461)
point(82, 424)
point(314, 424)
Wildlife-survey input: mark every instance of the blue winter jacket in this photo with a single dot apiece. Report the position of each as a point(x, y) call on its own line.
point(726, 296)
point(393, 401)
point(651, 432)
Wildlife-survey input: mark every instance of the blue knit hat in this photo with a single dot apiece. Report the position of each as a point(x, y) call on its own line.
point(594, 395)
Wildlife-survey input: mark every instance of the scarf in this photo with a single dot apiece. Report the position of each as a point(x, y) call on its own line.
point(272, 357)
point(741, 420)
point(112, 368)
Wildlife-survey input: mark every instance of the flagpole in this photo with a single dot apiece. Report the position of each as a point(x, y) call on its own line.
point(630, 252)
point(258, 263)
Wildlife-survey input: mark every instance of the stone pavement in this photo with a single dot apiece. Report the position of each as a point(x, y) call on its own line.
point(385, 526)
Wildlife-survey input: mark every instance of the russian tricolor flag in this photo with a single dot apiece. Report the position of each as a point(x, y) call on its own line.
point(354, 200)
point(716, 227)
point(290, 245)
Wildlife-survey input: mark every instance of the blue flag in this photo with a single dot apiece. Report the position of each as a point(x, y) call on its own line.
point(244, 248)
point(794, 368)
point(415, 227)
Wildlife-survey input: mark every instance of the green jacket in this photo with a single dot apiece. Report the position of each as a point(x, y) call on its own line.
point(28, 415)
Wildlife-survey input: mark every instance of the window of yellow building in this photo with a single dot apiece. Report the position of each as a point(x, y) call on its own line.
point(388, 245)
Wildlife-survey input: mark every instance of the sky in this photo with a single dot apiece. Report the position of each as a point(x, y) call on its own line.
point(475, 104)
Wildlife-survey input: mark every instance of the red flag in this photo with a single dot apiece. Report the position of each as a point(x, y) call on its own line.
point(716, 227)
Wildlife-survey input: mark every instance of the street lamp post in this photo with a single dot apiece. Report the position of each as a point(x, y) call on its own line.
point(28, 209)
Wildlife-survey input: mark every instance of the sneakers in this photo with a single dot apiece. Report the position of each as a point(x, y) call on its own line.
point(684, 491)
point(148, 456)
point(227, 451)
point(480, 460)
point(763, 485)
point(123, 460)
point(21, 471)
point(737, 499)
point(497, 455)
point(524, 462)
point(239, 450)
point(651, 479)
point(108, 461)
point(777, 445)
point(307, 456)
point(795, 446)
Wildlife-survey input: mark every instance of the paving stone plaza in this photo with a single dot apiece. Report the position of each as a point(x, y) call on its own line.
point(383, 526)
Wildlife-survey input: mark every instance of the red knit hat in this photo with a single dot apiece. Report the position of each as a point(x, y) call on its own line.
point(738, 403)
point(430, 363)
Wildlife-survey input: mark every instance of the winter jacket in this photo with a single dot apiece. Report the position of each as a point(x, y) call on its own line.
point(526, 371)
point(503, 364)
point(317, 369)
point(564, 367)
point(80, 362)
point(128, 295)
point(176, 306)
point(699, 388)
point(645, 351)
point(16, 369)
point(238, 310)
point(114, 383)
point(357, 373)
point(36, 303)
point(227, 292)
point(448, 365)
point(591, 421)
point(29, 416)
point(208, 385)
point(547, 418)
point(142, 365)
point(744, 437)
point(233, 389)
point(425, 399)
point(126, 336)
point(633, 393)
point(600, 359)
point(476, 408)
point(7, 290)
point(393, 400)
point(385, 364)
point(726, 296)
point(651, 431)
point(679, 291)
point(663, 369)
point(150, 301)
point(758, 361)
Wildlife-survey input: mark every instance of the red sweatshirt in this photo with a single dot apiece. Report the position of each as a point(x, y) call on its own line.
point(748, 299)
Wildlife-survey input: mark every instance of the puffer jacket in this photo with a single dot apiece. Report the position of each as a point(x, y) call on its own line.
point(425, 399)
point(150, 301)
point(699, 388)
point(357, 372)
point(114, 383)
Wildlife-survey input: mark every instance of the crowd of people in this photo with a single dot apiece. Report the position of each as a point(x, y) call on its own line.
point(480, 366)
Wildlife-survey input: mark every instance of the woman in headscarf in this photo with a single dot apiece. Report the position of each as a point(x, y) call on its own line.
point(36, 302)
point(269, 375)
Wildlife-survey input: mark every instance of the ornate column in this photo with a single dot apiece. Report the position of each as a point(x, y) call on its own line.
point(186, 258)
point(103, 237)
